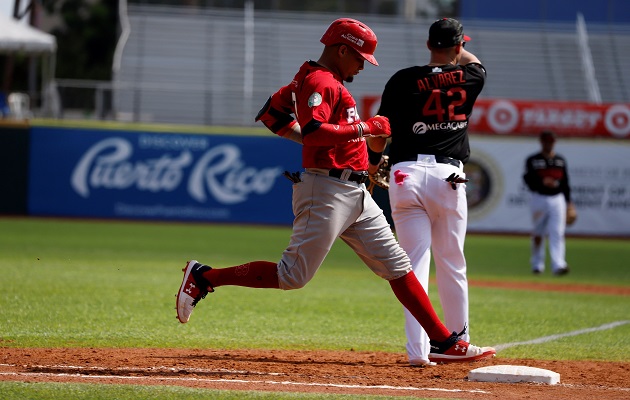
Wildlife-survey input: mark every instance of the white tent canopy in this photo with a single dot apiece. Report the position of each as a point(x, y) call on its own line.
point(17, 37)
point(24, 39)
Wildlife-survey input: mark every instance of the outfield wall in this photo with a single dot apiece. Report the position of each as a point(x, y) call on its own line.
point(599, 176)
point(160, 176)
point(227, 178)
point(13, 167)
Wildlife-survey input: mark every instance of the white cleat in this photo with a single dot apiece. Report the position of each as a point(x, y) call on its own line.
point(194, 287)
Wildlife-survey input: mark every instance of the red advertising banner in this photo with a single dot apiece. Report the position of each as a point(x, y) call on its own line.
point(521, 117)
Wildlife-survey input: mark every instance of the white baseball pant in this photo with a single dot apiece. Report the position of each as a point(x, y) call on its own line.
point(549, 221)
point(429, 215)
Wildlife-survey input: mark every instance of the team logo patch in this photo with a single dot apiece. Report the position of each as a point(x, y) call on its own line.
point(315, 100)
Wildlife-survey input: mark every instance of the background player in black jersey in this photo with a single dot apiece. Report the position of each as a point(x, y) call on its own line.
point(428, 108)
point(547, 178)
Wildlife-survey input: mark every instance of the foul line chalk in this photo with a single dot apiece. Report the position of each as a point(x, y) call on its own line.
point(546, 339)
point(408, 388)
point(147, 370)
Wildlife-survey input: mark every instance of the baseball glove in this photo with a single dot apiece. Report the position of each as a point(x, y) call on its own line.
point(380, 178)
point(571, 214)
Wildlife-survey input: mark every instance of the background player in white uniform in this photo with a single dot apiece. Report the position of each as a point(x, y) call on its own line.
point(428, 108)
point(547, 178)
point(330, 199)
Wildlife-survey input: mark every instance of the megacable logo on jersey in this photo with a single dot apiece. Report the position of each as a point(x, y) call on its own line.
point(420, 128)
point(352, 39)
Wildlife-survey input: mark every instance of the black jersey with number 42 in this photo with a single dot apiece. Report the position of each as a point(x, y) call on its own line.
point(428, 108)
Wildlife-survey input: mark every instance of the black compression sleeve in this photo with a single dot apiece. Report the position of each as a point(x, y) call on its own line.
point(374, 157)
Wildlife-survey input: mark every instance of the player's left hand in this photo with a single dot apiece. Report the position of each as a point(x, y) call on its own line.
point(571, 214)
point(379, 175)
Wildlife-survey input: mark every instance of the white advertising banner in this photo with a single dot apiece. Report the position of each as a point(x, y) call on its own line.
point(599, 176)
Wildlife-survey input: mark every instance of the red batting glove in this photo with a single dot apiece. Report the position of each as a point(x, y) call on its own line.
point(377, 126)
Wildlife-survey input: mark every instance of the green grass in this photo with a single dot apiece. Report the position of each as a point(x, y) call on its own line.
point(73, 283)
point(65, 391)
point(592, 261)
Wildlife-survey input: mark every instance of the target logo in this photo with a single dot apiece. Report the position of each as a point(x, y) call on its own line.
point(617, 120)
point(503, 116)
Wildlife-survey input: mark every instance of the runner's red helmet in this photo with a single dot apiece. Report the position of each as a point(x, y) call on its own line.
point(353, 33)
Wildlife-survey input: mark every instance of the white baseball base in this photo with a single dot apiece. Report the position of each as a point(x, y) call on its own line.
point(513, 373)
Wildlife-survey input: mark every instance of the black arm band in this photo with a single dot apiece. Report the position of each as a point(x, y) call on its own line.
point(374, 157)
point(311, 126)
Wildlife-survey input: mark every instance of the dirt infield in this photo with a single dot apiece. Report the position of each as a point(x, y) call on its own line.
point(339, 372)
point(345, 372)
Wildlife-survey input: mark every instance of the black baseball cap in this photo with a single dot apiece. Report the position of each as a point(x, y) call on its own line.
point(446, 32)
point(547, 136)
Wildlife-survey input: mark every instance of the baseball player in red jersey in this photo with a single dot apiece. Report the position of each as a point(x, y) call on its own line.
point(428, 108)
point(547, 178)
point(330, 199)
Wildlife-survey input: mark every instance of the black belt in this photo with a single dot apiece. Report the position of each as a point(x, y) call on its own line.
point(448, 160)
point(355, 176)
point(440, 159)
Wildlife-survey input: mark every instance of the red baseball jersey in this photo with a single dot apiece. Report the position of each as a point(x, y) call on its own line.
point(317, 96)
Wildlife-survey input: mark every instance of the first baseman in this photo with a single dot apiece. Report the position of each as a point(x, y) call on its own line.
point(330, 199)
point(428, 108)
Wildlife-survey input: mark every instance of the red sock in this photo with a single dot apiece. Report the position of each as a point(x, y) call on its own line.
point(255, 274)
point(412, 295)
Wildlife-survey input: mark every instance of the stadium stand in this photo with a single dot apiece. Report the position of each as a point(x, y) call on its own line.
point(179, 66)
